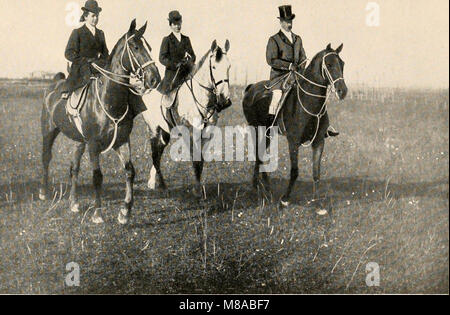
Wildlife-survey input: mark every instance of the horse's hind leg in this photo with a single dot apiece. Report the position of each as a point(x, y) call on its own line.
point(97, 180)
point(74, 171)
point(159, 143)
point(124, 153)
point(49, 134)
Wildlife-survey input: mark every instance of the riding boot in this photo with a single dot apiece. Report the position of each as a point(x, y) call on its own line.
point(331, 132)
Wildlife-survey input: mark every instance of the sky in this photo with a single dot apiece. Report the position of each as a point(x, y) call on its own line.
point(405, 45)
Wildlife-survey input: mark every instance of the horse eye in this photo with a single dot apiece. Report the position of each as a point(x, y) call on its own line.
point(136, 47)
point(214, 67)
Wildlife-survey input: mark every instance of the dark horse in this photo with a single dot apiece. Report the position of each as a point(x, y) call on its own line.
point(105, 121)
point(303, 115)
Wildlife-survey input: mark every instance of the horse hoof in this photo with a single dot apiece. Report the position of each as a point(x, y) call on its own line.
point(285, 203)
point(151, 185)
point(97, 219)
point(123, 218)
point(321, 212)
point(42, 197)
point(75, 208)
point(197, 192)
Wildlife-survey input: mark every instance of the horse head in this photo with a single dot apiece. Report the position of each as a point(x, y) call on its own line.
point(219, 68)
point(132, 52)
point(327, 68)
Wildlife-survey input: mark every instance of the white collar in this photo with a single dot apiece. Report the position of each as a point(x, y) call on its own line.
point(289, 35)
point(177, 35)
point(91, 28)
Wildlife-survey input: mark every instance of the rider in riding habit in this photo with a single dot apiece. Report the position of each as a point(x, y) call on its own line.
point(86, 45)
point(285, 53)
point(176, 54)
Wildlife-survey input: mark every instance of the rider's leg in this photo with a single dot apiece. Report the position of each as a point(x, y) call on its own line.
point(274, 105)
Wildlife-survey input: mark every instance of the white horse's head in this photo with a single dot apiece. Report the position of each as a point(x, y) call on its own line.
point(219, 66)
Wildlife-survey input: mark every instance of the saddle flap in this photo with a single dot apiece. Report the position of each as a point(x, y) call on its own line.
point(168, 100)
point(76, 101)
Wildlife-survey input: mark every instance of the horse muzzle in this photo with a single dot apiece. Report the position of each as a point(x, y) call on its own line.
point(341, 90)
point(152, 79)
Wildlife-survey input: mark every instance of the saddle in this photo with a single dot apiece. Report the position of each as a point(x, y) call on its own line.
point(76, 101)
point(168, 100)
point(74, 105)
point(169, 103)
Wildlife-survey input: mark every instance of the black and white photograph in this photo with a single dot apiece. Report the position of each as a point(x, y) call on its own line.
point(224, 153)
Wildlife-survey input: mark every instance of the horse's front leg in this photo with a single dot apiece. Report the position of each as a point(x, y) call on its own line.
point(317, 149)
point(74, 171)
point(197, 162)
point(293, 154)
point(124, 153)
point(97, 181)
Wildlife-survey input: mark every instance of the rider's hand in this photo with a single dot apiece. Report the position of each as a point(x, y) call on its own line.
point(293, 67)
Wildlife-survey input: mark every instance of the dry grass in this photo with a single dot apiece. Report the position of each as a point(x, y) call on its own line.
point(385, 184)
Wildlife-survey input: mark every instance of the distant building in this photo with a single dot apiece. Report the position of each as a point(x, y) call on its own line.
point(43, 75)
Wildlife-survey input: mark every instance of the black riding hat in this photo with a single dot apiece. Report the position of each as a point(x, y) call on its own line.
point(286, 13)
point(175, 16)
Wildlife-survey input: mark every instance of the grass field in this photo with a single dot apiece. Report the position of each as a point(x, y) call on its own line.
point(385, 184)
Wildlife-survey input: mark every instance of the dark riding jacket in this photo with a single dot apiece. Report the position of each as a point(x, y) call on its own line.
point(82, 49)
point(172, 52)
point(281, 53)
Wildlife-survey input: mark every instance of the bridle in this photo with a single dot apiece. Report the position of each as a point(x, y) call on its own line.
point(137, 70)
point(212, 90)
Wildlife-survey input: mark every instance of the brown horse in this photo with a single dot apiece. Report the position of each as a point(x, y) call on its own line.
point(303, 116)
point(105, 120)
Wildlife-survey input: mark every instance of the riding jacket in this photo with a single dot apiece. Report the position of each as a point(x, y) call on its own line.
point(82, 49)
point(173, 52)
point(281, 53)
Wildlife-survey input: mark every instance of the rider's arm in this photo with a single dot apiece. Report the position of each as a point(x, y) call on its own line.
point(72, 52)
point(272, 57)
point(190, 51)
point(164, 55)
point(105, 52)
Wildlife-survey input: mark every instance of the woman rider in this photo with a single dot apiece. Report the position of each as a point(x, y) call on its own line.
point(86, 45)
point(176, 54)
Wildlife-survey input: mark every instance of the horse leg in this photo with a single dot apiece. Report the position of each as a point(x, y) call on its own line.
point(158, 145)
point(49, 134)
point(197, 145)
point(317, 148)
point(124, 153)
point(97, 180)
point(293, 154)
point(74, 171)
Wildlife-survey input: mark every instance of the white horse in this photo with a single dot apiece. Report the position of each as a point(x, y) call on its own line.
point(198, 101)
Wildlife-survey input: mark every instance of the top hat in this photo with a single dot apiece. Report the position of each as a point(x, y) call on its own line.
point(92, 6)
point(286, 12)
point(174, 16)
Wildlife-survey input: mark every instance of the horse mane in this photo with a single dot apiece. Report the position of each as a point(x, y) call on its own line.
point(198, 66)
point(113, 51)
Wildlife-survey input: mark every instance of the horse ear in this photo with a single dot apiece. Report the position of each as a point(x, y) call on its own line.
point(227, 45)
point(132, 27)
point(141, 31)
point(213, 45)
point(329, 47)
point(339, 49)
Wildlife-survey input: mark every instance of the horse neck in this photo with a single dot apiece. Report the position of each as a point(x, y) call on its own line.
point(203, 77)
point(114, 95)
point(314, 73)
